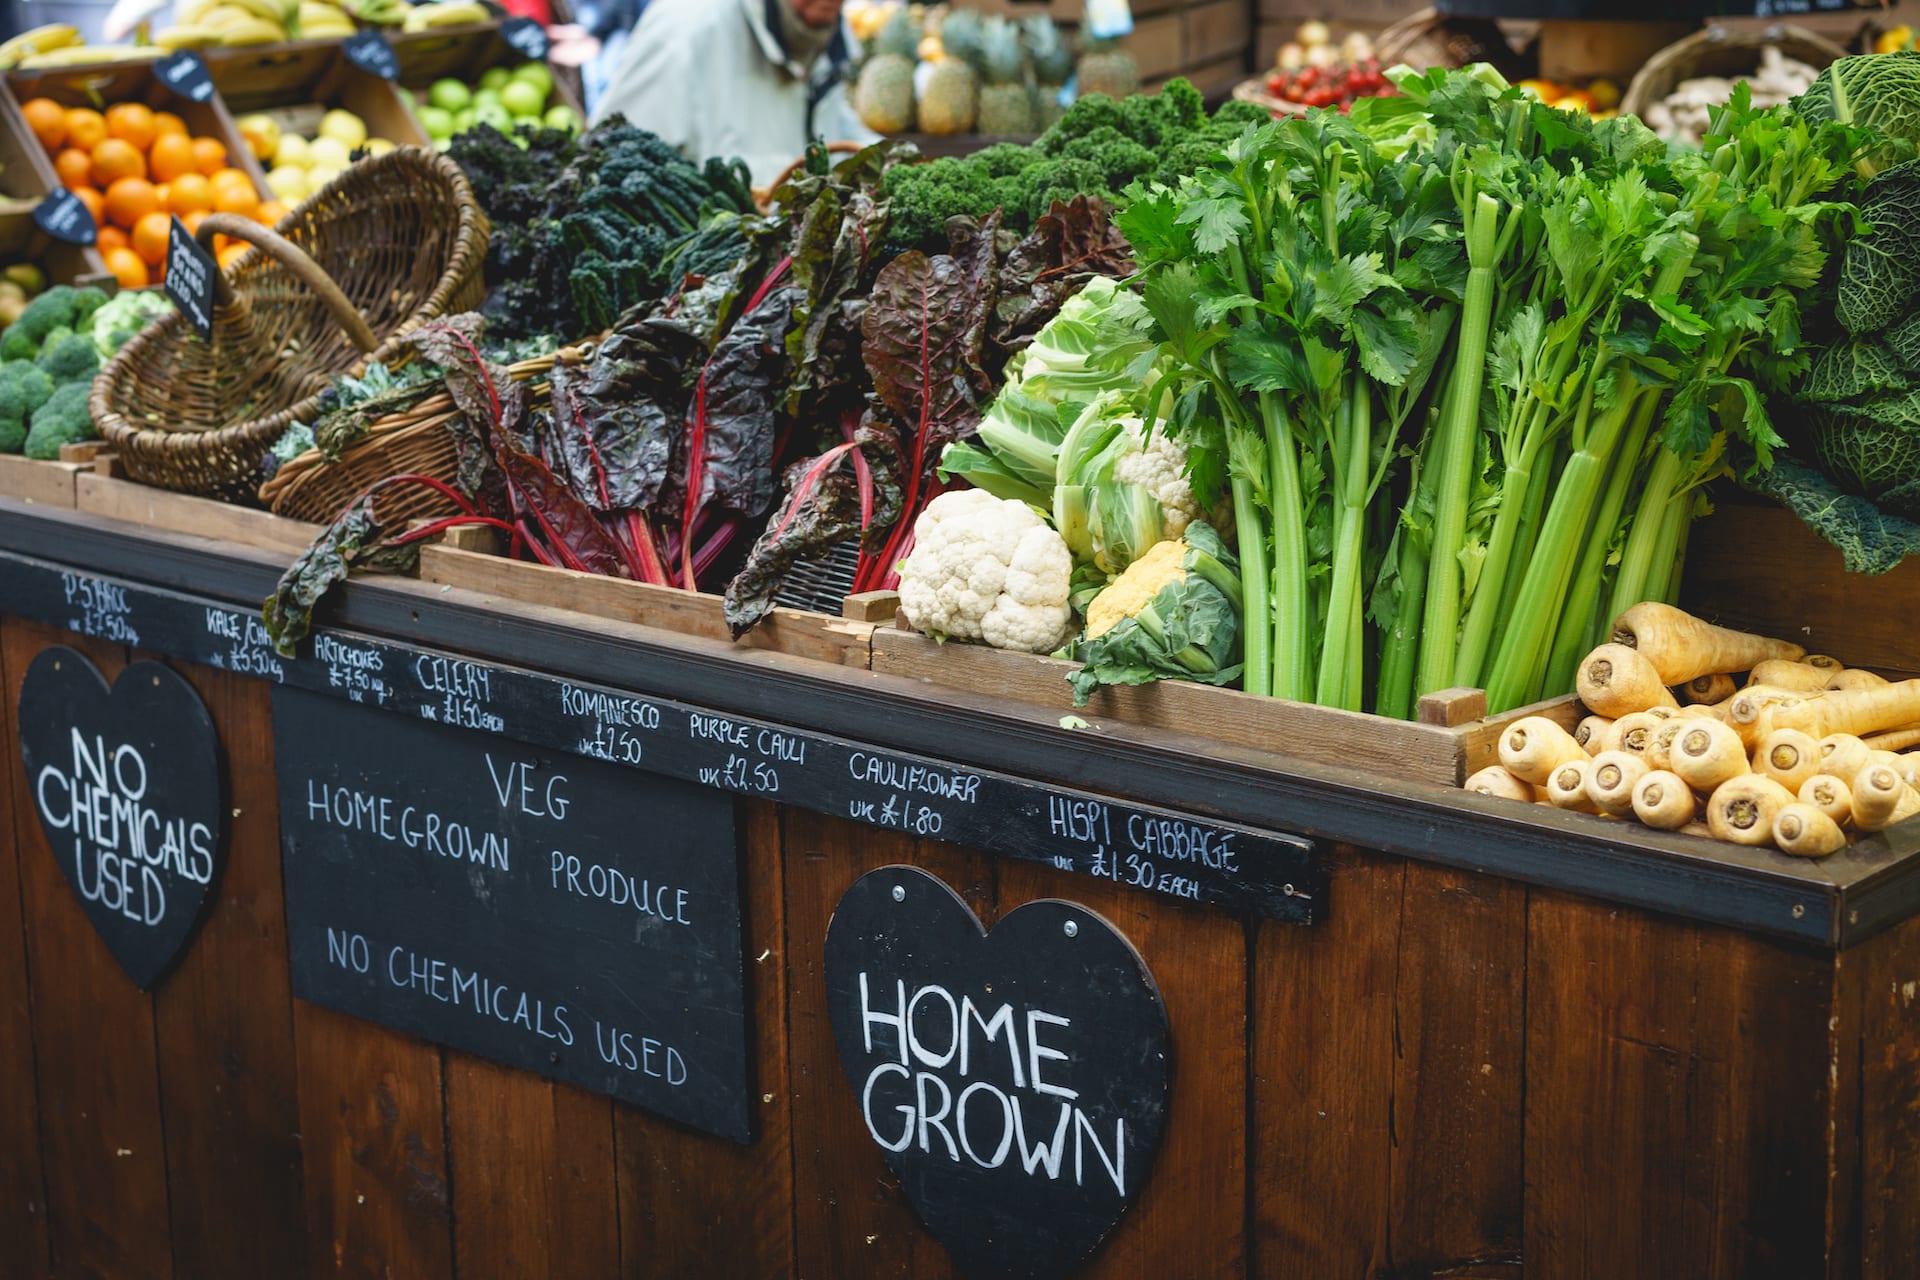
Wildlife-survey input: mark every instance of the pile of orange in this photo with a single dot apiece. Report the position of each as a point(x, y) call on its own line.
point(136, 169)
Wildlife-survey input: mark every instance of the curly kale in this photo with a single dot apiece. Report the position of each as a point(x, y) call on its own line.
point(1099, 147)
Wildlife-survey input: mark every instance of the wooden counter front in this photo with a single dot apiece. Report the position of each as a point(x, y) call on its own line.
point(1452, 1074)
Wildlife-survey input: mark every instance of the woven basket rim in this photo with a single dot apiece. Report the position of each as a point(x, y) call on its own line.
point(1679, 60)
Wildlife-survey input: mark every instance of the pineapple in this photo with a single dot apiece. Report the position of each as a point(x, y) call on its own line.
point(1052, 65)
point(883, 95)
point(1006, 108)
point(949, 97)
point(960, 35)
point(1107, 68)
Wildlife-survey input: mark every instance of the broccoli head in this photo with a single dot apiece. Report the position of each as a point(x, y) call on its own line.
point(69, 358)
point(23, 389)
point(63, 419)
point(61, 307)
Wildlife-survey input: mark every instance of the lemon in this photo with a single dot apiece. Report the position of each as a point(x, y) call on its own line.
point(261, 134)
point(328, 153)
point(320, 175)
point(378, 146)
point(292, 150)
point(289, 184)
point(344, 127)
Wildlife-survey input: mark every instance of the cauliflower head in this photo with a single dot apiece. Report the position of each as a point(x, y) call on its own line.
point(989, 569)
point(1159, 465)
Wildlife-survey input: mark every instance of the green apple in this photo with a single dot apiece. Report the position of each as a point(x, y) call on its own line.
point(494, 78)
point(494, 114)
point(562, 117)
point(535, 73)
point(463, 120)
point(437, 121)
point(449, 94)
point(485, 98)
point(523, 98)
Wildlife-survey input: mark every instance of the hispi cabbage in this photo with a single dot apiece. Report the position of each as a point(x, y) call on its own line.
point(1173, 614)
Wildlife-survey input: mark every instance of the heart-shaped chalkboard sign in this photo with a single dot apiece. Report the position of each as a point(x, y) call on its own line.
point(127, 784)
point(1015, 1081)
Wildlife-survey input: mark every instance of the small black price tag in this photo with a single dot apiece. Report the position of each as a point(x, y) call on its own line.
point(62, 216)
point(369, 51)
point(191, 276)
point(186, 74)
point(526, 37)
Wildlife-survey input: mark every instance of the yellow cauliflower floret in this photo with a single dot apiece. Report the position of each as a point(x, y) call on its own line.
point(1140, 582)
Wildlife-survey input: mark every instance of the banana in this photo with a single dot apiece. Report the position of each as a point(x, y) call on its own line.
point(82, 55)
point(186, 36)
point(269, 11)
point(451, 13)
point(251, 31)
point(327, 30)
point(42, 39)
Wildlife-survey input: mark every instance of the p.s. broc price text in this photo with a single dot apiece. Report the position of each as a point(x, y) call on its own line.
point(125, 850)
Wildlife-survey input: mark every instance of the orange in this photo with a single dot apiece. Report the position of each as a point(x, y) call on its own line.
point(189, 192)
point(112, 237)
point(128, 269)
point(116, 158)
point(48, 120)
point(74, 167)
point(167, 124)
point(230, 177)
point(209, 155)
point(130, 200)
point(272, 212)
point(230, 255)
point(95, 202)
point(231, 197)
point(171, 156)
point(150, 238)
point(192, 221)
point(86, 129)
point(131, 122)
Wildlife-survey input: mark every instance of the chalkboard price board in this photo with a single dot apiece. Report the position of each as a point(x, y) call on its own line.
point(526, 37)
point(126, 782)
point(192, 275)
point(1016, 1081)
point(555, 914)
point(62, 216)
point(369, 51)
point(186, 74)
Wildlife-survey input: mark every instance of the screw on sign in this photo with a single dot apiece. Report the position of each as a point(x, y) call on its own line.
point(370, 52)
point(191, 277)
point(187, 75)
point(62, 216)
point(526, 37)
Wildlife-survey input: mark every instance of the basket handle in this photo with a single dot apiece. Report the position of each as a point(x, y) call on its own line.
point(293, 258)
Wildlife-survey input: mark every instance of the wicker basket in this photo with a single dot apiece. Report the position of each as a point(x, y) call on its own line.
point(1430, 38)
point(416, 442)
point(1722, 51)
point(1255, 91)
point(393, 242)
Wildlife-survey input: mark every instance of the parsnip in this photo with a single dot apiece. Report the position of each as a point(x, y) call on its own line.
point(1591, 733)
point(1803, 830)
point(1532, 746)
point(1789, 757)
point(1663, 799)
point(1879, 793)
point(1633, 732)
point(1610, 780)
point(1707, 753)
point(1494, 780)
point(1746, 708)
point(1856, 711)
point(1894, 740)
point(1741, 810)
point(1797, 676)
point(1830, 796)
point(1843, 755)
point(1659, 751)
point(1824, 662)
point(1615, 680)
point(1567, 788)
point(1682, 647)
point(1717, 687)
point(1855, 678)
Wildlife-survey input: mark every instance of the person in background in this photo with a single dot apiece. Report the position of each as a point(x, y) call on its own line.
point(757, 79)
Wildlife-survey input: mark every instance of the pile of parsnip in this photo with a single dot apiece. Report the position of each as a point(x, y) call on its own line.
point(1802, 757)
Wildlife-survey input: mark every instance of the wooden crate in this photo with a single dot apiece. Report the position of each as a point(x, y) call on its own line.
point(26, 173)
point(294, 83)
point(99, 491)
point(1453, 738)
point(841, 641)
point(1758, 568)
point(29, 480)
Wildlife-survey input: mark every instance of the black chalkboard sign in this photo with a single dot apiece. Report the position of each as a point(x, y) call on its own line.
point(369, 51)
point(526, 37)
point(191, 277)
point(1015, 1081)
point(186, 74)
point(127, 785)
point(62, 216)
point(558, 915)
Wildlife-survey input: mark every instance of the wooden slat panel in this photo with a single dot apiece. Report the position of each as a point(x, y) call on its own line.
point(1458, 1075)
point(23, 1190)
point(532, 1168)
point(104, 1156)
point(850, 1218)
point(1157, 46)
point(376, 1166)
point(1191, 1218)
point(1221, 29)
point(1888, 980)
point(184, 513)
point(1668, 1132)
point(1323, 1042)
point(224, 1022)
point(30, 480)
point(687, 1196)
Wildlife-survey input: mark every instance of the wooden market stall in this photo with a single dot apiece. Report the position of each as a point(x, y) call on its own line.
point(1410, 1031)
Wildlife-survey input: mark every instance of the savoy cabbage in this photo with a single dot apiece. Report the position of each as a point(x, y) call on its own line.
point(1871, 540)
point(1878, 92)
